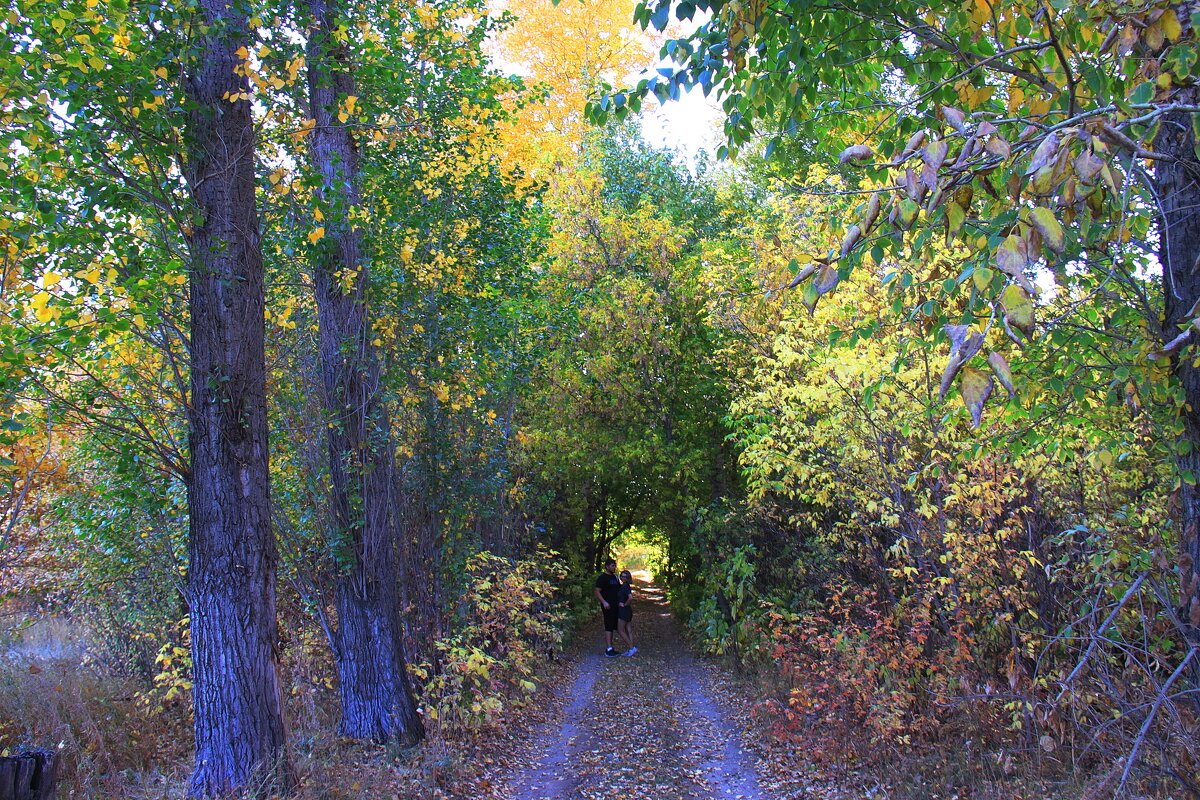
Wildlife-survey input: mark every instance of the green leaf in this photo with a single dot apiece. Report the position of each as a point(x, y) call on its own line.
point(1018, 309)
point(661, 15)
point(955, 217)
point(982, 276)
point(1002, 372)
point(1142, 93)
point(1051, 229)
point(809, 297)
point(976, 386)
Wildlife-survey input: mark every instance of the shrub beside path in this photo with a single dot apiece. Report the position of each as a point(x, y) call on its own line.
point(651, 725)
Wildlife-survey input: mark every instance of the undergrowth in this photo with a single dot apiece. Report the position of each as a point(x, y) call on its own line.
point(916, 688)
point(128, 732)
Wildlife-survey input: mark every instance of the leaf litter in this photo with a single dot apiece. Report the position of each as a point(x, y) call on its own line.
point(660, 725)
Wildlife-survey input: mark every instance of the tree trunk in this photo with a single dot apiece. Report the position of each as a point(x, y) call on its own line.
point(240, 735)
point(377, 703)
point(1178, 188)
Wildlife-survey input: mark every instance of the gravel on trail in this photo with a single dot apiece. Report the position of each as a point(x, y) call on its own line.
point(651, 725)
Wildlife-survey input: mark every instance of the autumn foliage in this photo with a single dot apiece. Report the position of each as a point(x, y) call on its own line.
point(905, 400)
point(899, 573)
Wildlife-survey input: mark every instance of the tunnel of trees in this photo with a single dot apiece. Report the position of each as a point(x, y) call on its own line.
point(324, 325)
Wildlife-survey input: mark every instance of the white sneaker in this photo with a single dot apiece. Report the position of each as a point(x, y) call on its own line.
point(631, 651)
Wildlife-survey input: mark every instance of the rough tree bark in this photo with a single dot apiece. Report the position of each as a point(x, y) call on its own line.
point(377, 702)
point(1177, 185)
point(240, 734)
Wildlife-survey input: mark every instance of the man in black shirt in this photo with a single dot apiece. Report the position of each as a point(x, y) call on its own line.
point(606, 592)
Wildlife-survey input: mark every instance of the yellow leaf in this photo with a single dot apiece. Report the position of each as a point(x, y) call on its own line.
point(51, 279)
point(1016, 98)
point(304, 129)
point(981, 13)
point(1039, 106)
point(1018, 309)
point(242, 52)
point(1170, 25)
point(1051, 229)
point(982, 278)
point(316, 235)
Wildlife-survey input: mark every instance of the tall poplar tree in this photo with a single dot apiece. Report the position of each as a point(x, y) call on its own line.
point(377, 703)
point(240, 735)
point(134, 127)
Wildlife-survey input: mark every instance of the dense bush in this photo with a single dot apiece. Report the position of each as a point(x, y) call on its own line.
point(509, 621)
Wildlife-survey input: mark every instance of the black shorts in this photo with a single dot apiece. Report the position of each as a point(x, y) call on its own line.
point(625, 613)
point(610, 617)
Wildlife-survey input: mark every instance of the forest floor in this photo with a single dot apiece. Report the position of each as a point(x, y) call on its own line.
point(663, 724)
point(658, 725)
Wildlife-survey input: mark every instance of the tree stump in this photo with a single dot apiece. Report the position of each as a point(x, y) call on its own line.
point(28, 775)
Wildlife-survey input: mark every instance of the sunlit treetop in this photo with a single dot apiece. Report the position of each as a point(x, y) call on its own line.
point(568, 50)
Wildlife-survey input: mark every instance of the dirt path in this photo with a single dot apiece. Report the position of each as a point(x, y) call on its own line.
point(645, 726)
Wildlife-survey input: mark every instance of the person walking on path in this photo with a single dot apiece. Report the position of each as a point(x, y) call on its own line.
point(625, 611)
point(607, 586)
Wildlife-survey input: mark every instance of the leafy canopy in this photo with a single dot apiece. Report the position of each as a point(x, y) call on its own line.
point(1016, 134)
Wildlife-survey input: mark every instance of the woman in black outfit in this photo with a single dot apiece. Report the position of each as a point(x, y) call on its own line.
point(625, 611)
